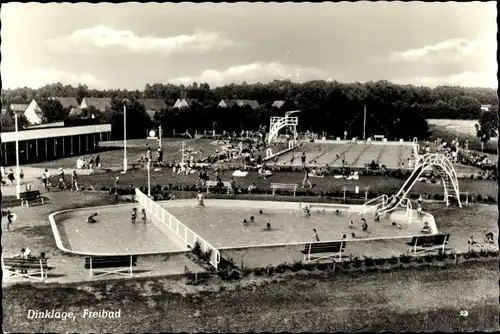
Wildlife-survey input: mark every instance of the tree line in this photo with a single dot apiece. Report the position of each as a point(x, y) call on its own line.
point(396, 111)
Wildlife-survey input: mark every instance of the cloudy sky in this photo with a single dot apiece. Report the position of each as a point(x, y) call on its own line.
point(129, 45)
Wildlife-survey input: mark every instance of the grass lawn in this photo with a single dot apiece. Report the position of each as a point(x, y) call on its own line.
point(447, 129)
point(425, 299)
point(111, 153)
point(375, 183)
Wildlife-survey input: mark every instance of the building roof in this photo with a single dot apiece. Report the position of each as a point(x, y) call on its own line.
point(252, 103)
point(67, 102)
point(153, 106)
point(100, 103)
point(228, 103)
point(189, 102)
point(18, 107)
point(278, 103)
point(76, 112)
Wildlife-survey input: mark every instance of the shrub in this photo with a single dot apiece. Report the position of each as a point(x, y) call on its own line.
point(380, 262)
point(197, 249)
point(282, 268)
point(429, 258)
point(323, 266)
point(269, 270)
point(473, 255)
point(369, 262)
point(419, 259)
point(404, 258)
point(296, 266)
point(479, 198)
point(356, 262)
point(310, 266)
point(393, 260)
point(259, 271)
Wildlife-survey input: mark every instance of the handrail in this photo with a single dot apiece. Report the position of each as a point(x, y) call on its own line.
point(168, 220)
point(384, 198)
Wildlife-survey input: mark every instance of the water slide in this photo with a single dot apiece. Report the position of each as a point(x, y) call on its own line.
point(396, 200)
point(430, 159)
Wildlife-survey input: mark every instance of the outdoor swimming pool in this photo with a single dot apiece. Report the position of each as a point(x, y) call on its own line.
point(112, 234)
point(220, 222)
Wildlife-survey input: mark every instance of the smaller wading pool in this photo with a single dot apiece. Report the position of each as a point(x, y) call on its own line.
point(112, 234)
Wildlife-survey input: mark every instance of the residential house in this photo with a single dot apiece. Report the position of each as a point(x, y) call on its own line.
point(184, 103)
point(226, 103)
point(77, 112)
point(31, 111)
point(153, 106)
point(278, 104)
point(241, 103)
point(252, 103)
point(100, 103)
point(66, 102)
point(5, 118)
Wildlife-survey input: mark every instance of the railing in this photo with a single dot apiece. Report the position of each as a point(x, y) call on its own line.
point(384, 198)
point(164, 219)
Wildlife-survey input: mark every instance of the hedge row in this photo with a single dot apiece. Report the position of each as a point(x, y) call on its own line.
point(228, 270)
point(335, 195)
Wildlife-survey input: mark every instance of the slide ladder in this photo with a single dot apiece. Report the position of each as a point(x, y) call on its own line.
point(446, 171)
point(278, 123)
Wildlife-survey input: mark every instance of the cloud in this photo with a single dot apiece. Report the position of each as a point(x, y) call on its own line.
point(449, 50)
point(465, 79)
point(45, 76)
point(252, 73)
point(100, 37)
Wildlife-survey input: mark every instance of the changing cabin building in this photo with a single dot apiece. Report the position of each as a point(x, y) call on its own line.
point(53, 141)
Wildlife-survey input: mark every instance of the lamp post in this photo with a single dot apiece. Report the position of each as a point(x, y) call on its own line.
point(213, 128)
point(159, 136)
point(18, 173)
point(125, 162)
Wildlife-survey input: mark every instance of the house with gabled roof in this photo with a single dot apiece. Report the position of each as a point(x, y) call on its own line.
point(100, 103)
point(31, 111)
point(184, 103)
point(226, 103)
point(252, 103)
point(278, 104)
point(6, 118)
point(76, 112)
point(66, 102)
point(153, 106)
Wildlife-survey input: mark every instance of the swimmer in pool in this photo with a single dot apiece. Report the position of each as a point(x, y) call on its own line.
point(91, 218)
point(307, 211)
point(200, 198)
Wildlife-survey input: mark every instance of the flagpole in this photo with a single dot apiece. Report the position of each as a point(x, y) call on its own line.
point(364, 124)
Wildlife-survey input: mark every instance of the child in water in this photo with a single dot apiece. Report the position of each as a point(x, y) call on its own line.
point(307, 211)
point(200, 198)
point(134, 215)
point(91, 219)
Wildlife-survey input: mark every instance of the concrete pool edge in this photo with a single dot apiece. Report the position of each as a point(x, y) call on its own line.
point(60, 244)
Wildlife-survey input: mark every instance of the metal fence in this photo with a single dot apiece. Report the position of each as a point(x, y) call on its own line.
point(165, 221)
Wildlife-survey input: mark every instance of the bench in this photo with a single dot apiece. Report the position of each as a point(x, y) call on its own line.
point(213, 184)
point(372, 167)
point(122, 265)
point(32, 268)
point(30, 195)
point(284, 186)
point(335, 248)
point(428, 243)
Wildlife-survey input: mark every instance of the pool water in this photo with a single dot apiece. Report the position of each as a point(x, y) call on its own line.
point(221, 223)
point(113, 233)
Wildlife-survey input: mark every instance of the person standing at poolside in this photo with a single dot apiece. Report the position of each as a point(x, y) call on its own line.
point(74, 181)
point(61, 184)
point(144, 217)
point(133, 217)
point(315, 235)
point(303, 159)
point(10, 219)
point(200, 198)
point(306, 178)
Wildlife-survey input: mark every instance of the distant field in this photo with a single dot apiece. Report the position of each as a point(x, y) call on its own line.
point(448, 128)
